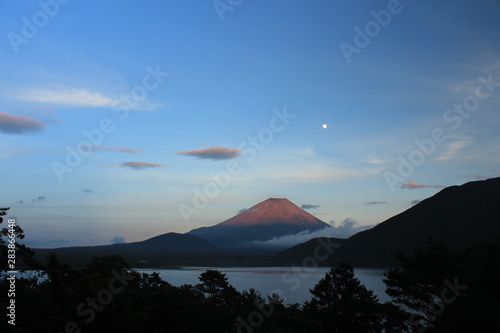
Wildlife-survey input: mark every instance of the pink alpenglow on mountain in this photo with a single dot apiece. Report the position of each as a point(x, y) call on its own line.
point(275, 211)
point(264, 221)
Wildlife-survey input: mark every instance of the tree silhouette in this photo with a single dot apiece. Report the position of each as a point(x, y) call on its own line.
point(340, 303)
point(418, 283)
point(476, 308)
point(23, 254)
point(223, 301)
point(213, 283)
point(449, 291)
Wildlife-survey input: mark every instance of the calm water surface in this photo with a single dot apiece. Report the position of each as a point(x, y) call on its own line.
point(293, 283)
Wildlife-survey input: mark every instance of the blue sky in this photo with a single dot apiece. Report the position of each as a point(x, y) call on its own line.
point(240, 91)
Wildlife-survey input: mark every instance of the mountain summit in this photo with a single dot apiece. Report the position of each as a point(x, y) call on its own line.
point(271, 218)
point(275, 211)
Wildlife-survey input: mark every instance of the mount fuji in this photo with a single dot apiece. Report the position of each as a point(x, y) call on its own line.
point(274, 217)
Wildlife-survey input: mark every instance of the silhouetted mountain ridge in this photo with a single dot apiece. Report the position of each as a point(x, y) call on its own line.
point(316, 248)
point(460, 216)
point(169, 244)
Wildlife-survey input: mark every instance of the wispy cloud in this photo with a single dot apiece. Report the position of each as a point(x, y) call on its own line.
point(106, 165)
point(216, 153)
point(7, 151)
point(86, 190)
point(375, 203)
point(12, 124)
point(452, 150)
point(19, 203)
point(470, 86)
point(68, 96)
point(141, 165)
point(309, 206)
point(412, 185)
point(345, 229)
point(80, 97)
point(38, 199)
point(245, 210)
point(105, 148)
point(374, 160)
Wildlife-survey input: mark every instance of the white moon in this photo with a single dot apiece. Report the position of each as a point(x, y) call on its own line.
point(325, 125)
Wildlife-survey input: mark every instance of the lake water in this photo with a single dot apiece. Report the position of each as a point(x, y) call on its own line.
point(292, 283)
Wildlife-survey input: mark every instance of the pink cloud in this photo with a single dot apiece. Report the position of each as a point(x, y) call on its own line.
point(216, 153)
point(141, 165)
point(106, 165)
point(412, 185)
point(12, 124)
point(105, 148)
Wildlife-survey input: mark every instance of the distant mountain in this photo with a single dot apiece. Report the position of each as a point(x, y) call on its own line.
point(458, 215)
point(167, 245)
point(316, 248)
point(264, 221)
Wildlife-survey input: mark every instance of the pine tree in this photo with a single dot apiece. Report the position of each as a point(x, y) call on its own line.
point(419, 281)
point(340, 303)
